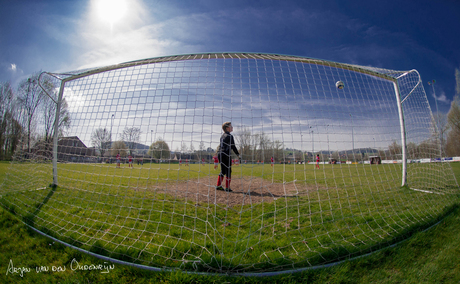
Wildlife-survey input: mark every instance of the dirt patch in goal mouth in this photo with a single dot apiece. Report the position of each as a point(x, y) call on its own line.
point(244, 191)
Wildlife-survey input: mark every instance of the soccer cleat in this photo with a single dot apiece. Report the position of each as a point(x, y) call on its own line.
point(219, 187)
point(228, 190)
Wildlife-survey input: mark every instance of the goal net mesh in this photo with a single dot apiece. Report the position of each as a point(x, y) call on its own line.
point(338, 186)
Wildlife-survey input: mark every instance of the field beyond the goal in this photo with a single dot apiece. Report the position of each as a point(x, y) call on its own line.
point(280, 217)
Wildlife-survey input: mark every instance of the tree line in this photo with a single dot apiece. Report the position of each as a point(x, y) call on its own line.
point(448, 125)
point(258, 146)
point(253, 147)
point(27, 115)
point(101, 140)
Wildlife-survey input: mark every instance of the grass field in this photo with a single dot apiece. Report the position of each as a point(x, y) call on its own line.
point(349, 211)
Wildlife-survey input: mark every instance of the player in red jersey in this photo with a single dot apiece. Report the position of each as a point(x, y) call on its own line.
point(216, 162)
point(130, 161)
point(317, 161)
point(118, 160)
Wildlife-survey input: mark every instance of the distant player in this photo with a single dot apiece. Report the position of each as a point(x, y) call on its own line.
point(130, 161)
point(118, 160)
point(186, 162)
point(216, 162)
point(180, 162)
point(202, 161)
point(272, 161)
point(317, 161)
point(227, 143)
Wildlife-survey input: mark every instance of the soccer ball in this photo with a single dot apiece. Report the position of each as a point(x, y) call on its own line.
point(339, 85)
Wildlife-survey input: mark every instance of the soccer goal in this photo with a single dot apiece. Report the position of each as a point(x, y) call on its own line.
point(337, 161)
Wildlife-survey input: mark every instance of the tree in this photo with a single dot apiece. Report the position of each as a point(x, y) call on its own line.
point(243, 140)
point(100, 140)
point(258, 146)
point(382, 154)
point(183, 148)
point(201, 151)
point(131, 136)
point(49, 116)
point(265, 146)
point(453, 144)
point(119, 147)
point(395, 150)
point(14, 133)
point(6, 117)
point(412, 151)
point(335, 155)
point(442, 128)
point(429, 148)
point(159, 150)
point(278, 150)
point(453, 138)
point(10, 135)
point(30, 96)
point(453, 118)
point(192, 151)
point(201, 147)
point(457, 81)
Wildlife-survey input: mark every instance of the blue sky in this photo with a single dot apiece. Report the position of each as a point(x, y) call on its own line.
point(61, 35)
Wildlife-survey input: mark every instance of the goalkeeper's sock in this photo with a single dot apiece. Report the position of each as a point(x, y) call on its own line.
point(219, 180)
point(227, 182)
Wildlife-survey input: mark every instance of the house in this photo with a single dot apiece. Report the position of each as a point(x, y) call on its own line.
point(72, 149)
point(41, 151)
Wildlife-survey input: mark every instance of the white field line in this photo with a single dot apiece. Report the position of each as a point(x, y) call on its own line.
point(427, 191)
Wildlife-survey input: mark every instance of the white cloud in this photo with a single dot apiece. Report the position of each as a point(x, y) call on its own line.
point(442, 98)
point(12, 72)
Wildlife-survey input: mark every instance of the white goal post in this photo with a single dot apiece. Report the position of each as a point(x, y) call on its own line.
point(337, 161)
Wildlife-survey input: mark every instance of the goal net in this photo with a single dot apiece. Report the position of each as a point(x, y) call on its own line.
point(326, 173)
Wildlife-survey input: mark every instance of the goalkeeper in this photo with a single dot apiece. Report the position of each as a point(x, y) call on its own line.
point(227, 143)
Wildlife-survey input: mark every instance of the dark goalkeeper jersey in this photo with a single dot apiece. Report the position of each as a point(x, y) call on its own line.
point(226, 143)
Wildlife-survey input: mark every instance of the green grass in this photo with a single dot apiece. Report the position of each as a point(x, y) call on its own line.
point(260, 222)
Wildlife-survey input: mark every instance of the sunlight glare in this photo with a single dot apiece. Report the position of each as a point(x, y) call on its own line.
point(111, 11)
